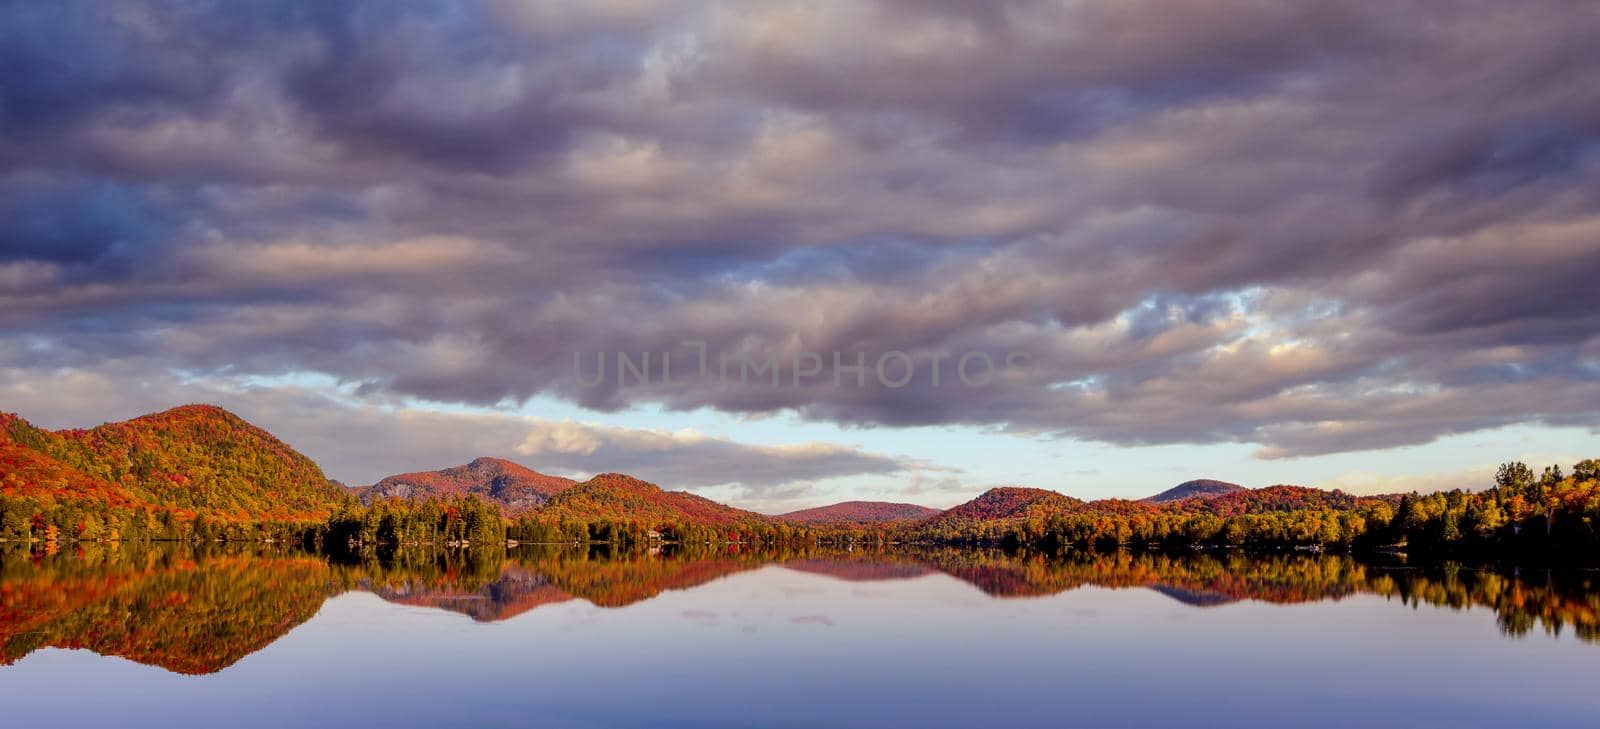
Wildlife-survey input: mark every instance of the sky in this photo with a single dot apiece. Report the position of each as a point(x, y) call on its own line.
point(1345, 244)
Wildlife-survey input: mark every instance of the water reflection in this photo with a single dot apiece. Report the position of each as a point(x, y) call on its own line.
point(199, 609)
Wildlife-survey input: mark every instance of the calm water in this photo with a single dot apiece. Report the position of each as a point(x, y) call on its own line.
point(945, 638)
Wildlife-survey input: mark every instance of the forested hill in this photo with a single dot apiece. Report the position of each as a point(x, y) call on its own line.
point(191, 461)
point(201, 473)
point(514, 487)
point(616, 496)
point(1203, 488)
point(859, 512)
point(1010, 502)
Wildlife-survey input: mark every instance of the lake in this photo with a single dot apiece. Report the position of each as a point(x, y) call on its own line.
point(178, 636)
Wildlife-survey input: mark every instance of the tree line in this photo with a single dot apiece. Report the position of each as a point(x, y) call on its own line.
point(1551, 514)
point(1523, 514)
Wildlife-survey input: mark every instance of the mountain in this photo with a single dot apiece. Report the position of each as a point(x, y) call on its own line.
point(859, 512)
point(194, 459)
point(514, 487)
point(29, 470)
point(1010, 502)
point(153, 476)
point(1269, 499)
point(1203, 488)
point(625, 498)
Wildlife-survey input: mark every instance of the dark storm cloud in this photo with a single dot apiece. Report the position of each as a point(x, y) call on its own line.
point(439, 83)
point(80, 224)
point(64, 62)
point(1310, 226)
point(1033, 69)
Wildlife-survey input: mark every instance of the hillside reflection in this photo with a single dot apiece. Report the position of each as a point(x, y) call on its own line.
point(199, 609)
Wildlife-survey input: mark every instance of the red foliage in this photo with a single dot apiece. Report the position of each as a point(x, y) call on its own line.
point(619, 497)
point(187, 460)
point(1270, 498)
point(860, 512)
point(514, 487)
point(1011, 502)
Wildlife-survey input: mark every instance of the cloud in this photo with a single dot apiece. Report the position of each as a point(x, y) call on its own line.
point(822, 620)
point(566, 439)
point(362, 441)
point(291, 262)
point(695, 459)
point(1364, 483)
point(1310, 226)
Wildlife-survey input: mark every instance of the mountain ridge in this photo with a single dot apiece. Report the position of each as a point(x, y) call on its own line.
point(189, 460)
point(511, 485)
point(1202, 488)
point(1009, 502)
point(201, 472)
point(859, 512)
point(641, 500)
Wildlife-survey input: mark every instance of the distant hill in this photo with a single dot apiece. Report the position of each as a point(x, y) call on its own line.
point(1010, 502)
point(625, 498)
point(1268, 499)
point(194, 459)
point(514, 487)
point(1204, 488)
point(859, 512)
